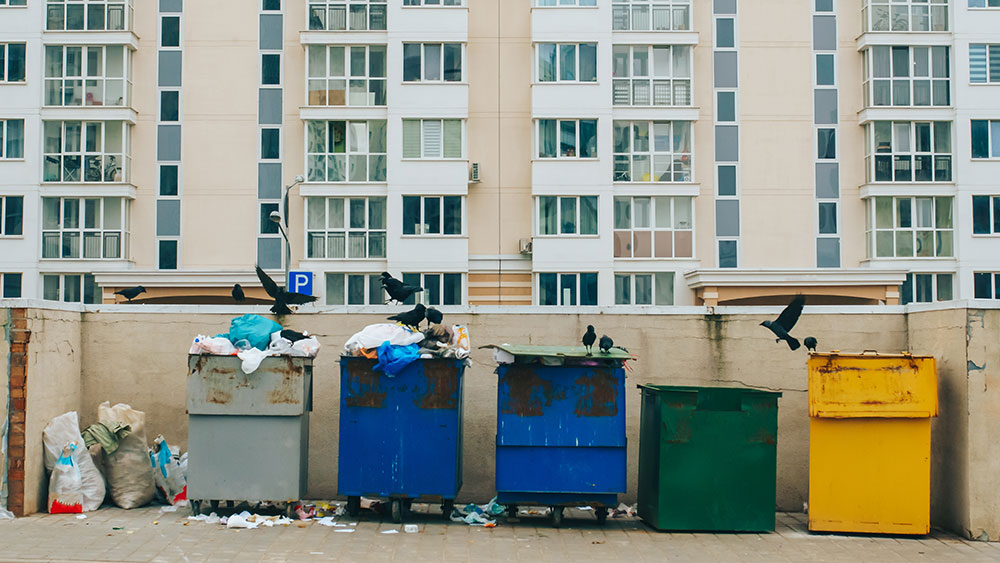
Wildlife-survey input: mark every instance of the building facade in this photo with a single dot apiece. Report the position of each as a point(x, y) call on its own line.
point(546, 153)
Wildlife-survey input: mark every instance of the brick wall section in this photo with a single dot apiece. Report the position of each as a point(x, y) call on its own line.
point(19, 336)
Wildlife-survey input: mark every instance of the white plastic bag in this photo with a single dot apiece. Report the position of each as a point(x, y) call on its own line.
point(212, 345)
point(252, 358)
point(129, 475)
point(280, 346)
point(372, 336)
point(306, 347)
point(168, 471)
point(65, 429)
point(65, 484)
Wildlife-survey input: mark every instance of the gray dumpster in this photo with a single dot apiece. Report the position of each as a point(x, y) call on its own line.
point(248, 435)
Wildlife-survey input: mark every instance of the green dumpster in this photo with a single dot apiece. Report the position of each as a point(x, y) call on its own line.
point(707, 458)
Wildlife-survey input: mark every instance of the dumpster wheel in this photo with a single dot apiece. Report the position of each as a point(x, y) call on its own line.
point(353, 506)
point(195, 507)
point(447, 506)
point(602, 515)
point(397, 510)
point(557, 516)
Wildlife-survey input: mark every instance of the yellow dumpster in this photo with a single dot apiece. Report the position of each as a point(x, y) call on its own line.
point(870, 442)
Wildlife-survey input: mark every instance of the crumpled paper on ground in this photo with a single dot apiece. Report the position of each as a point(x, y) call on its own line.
point(475, 515)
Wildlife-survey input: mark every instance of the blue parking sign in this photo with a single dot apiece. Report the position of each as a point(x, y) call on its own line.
point(300, 282)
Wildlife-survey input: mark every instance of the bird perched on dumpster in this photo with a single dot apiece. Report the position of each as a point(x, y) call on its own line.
point(588, 339)
point(785, 321)
point(397, 290)
point(131, 293)
point(434, 316)
point(238, 295)
point(411, 318)
point(606, 344)
point(810, 343)
point(282, 298)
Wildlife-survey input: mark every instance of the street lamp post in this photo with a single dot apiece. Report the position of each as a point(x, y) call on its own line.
point(276, 217)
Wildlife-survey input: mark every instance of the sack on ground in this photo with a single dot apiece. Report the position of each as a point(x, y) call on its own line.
point(168, 472)
point(65, 484)
point(65, 429)
point(128, 471)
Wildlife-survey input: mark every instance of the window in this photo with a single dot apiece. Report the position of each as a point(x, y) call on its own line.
point(987, 285)
point(170, 31)
point(651, 15)
point(10, 285)
point(354, 289)
point(984, 3)
point(270, 143)
point(11, 138)
point(11, 216)
point(567, 289)
point(439, 289)
point(89, 76)
point(564, 3)
point(653, 227)
point(906, 15)
point(984, 63)
point(13, 3)
point(904, 151)
point(652, 151)
point(341, 75)
point(167, 252)
point(985, 215)
point(432, 62)
point(432, 215)
point(88, 228)
point(432, 138)
point(86, 151)
point(907, 76)
point(432, 2)
point(826, 73)
point(827, 218)
point(651, 75)
point(12, 62)
point(94, 15)
point(346, 151)
point(644, 289)
point(926, 288)
point(985, 138)
point(169, 105)
point(567, 215)
point(567, 62)
point(343, 15)
point(567, 138)
point(271, 6)
point(67, 287)
point(826, 143)
point(907, 227)
point(729, 253)
point(270, 69)
point(340, 227)
point(168, 180)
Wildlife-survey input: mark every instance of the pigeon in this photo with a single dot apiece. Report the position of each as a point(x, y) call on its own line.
point(238, 294)
point(411, 318)
point(810, 343)
point(131, 293)
point(434, 316)
point(785, 321)
point(282, 298)
point(588, 339)
point(606, 344)
point(397, 290)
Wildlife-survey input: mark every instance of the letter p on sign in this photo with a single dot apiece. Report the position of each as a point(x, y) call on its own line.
point(300, 282)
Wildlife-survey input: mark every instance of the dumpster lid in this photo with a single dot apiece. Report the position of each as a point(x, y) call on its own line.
point(560, 352)
point(707, 389)
point(866, 354)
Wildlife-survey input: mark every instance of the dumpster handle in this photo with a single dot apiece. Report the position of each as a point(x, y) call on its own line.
point(865, 352)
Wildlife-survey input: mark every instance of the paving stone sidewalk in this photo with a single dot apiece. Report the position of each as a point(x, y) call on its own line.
point(149, 535)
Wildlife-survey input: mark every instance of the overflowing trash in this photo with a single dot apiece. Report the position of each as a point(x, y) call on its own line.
point(396, 346)
point(253, 338)
point(475, 515)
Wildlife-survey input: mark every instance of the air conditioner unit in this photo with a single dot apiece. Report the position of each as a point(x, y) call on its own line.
point(474, 173)
point(525, 245)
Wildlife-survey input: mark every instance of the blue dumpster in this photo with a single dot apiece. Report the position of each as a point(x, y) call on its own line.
point(400, 436)
point(560, 429)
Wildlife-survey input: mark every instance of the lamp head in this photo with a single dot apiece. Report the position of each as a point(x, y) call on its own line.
point(299, 179)
point(275, 217)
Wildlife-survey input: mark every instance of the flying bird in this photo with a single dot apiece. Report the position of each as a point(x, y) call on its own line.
point(282, 298)
point(238, 294)
point(131, 293)
point(588, 339)
point(397, 290)
point(810, 343)
point(606, 344)
point(786, 320)
point(411, 318)
point(434, 316)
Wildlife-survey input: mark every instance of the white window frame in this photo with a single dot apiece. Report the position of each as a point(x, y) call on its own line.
point(61, 288)
point(373, 292)
point(322, 86)
point(994, 284)
point(4, 276)
point(433, 3)
point(558, 139)
point(820, 203)
point(935, 277)
point(58, 85)
point(425, 282)
point(4, 198)
point(885, 16)
point(577, 220)
point(565, 3)
point(5, 142)
point(180, 31)
point(910, 80)
point(873, 230)
point(425, 149)
point(422, 226)
point(560, 294)
point(836, 70)
point(632, 157)
point(649, 15)
point(718, 254)
point(992, 138)
point(993, 212)
point(636, 226)
point(61, 233)
point(673, 89)
point(123, 158)
point(990, 53)
point(633, 280)
point(557, 68)
point(984, 4)
point(125, 6)
point(899, 153)
point(346, 231)
point(355, 150)
point(421, 78)
point(281, 70)
point(5, 68)
point(372, 9)
point(13, 4)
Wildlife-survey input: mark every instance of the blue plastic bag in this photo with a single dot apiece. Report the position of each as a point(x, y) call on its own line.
point(394, 359)
point(255, 329)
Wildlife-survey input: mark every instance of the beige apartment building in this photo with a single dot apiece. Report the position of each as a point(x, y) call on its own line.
point(545, 153)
